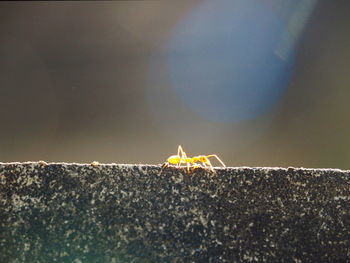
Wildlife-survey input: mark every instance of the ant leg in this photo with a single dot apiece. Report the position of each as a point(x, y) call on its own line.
point(183, 157)
point(179, 149)
point(189, 163)
point(214, 155)
point(193, 163)
point(208, 163)
point(197, 165)
point(181, 152)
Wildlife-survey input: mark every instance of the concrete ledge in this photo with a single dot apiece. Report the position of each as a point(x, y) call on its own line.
point(131, 213)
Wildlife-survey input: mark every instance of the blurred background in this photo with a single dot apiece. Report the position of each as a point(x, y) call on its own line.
point(259, 82)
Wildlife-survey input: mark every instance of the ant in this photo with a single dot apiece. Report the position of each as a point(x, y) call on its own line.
point(194, 162)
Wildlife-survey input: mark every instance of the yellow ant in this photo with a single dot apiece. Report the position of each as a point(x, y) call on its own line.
point(194, 162)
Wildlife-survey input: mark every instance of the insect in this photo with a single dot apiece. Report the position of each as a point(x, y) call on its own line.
point(195, 162)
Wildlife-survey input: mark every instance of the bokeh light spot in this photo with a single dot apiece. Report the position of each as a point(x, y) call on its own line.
point(222, 60)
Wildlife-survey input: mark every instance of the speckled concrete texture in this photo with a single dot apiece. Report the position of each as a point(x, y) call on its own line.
point(138, 213)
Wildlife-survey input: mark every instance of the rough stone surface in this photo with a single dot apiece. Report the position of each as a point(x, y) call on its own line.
point(138, 213)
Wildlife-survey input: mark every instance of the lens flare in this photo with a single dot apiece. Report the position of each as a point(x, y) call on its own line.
point(222, 61)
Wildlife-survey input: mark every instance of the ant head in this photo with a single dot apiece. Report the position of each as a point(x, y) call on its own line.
point(202, 158)
point(174, 159)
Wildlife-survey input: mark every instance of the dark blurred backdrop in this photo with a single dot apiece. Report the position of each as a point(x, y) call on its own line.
point(259, 82)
